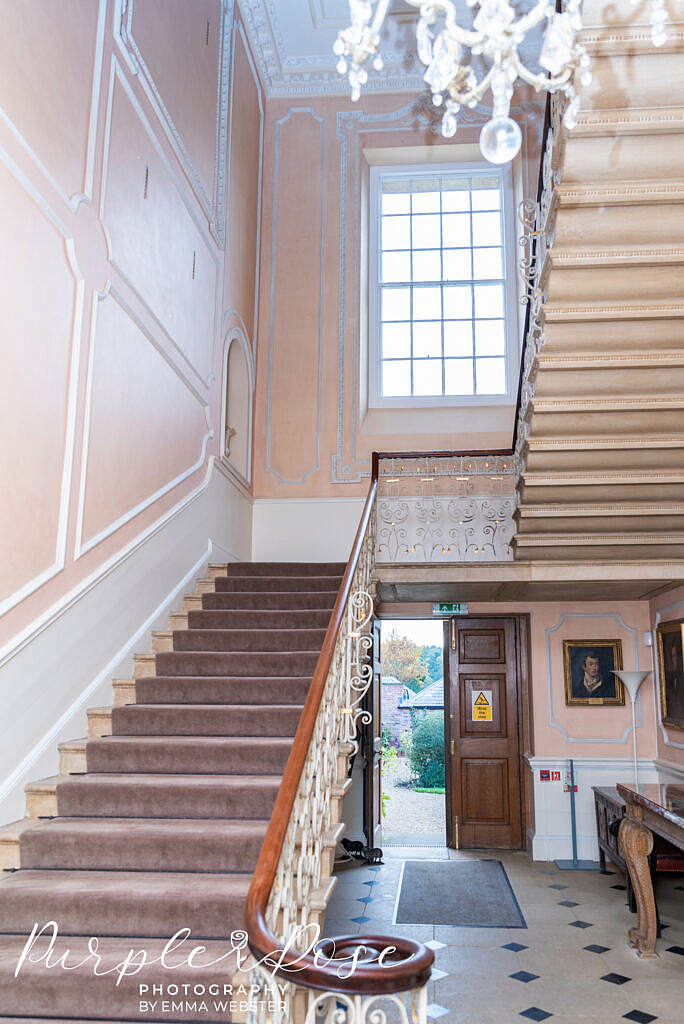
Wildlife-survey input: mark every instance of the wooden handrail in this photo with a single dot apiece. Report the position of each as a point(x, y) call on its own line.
point(410, 965)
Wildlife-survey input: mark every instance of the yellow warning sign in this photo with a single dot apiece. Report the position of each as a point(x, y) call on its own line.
point(482, 705)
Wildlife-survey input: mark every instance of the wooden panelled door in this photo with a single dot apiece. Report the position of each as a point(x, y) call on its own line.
point(483, 764)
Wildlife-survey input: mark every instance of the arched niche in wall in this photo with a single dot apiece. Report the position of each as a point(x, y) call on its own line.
point(238, 394)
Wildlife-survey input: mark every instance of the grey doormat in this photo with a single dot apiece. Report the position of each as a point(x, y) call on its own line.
point(465, 894)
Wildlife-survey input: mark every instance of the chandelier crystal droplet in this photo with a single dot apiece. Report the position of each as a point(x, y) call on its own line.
point(445, 48)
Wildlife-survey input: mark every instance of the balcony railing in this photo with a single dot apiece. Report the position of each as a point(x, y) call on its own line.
point(445, 507)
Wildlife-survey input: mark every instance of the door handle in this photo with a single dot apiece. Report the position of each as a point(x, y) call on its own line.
point(453, 633)
point(453, 751)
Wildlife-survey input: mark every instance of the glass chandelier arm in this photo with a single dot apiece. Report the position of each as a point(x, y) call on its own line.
point(530, 20)
point(476, 92)
point(462, 35)
point(379, 16)
point(550, 83)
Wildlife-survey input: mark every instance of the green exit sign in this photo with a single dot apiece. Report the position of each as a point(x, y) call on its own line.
point(450, 608)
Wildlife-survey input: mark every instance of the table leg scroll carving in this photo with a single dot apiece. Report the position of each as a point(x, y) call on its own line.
point(636, 842)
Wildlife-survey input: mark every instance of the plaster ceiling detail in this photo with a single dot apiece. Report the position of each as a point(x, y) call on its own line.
point(292, 41)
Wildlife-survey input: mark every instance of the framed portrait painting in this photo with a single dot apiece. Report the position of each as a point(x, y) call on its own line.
point(671, 672)
point(589, 678)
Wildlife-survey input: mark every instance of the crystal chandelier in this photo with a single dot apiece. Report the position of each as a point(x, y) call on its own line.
point(497, 33)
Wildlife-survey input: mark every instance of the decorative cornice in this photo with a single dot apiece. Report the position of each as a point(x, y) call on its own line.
point(556, 511)
point(285, 75)
point(595, 539)
point(629, 40)
point(620, 193)
point(616, 256)
point(578, 444)
point(656, 309)
point(628, 121)
point(616, 402)
point(610, 360)
point(594, 478)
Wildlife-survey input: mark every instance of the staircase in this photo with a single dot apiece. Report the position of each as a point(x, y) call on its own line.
point(156, 820)
point(603, 460)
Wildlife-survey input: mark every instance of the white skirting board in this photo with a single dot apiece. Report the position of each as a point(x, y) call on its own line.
point(66, 662)
point(304, 529)
point(552, 833)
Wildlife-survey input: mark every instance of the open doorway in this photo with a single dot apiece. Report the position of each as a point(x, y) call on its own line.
point(413, 745)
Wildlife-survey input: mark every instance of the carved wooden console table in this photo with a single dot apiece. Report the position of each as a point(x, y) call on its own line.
point(652, 808)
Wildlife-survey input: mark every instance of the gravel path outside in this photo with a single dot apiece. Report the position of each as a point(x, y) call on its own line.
point(408, 811)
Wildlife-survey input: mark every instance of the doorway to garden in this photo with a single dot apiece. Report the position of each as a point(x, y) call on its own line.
point(413, 740)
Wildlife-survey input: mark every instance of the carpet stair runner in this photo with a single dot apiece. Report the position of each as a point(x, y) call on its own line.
point(156, 821)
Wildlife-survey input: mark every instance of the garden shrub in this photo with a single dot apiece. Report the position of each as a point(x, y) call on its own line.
point(427, 751)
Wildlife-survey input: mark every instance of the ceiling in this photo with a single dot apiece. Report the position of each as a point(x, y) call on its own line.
point(292, 42)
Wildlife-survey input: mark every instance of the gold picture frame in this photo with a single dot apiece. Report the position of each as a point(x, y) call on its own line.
point(670, 640)
point(589, 680)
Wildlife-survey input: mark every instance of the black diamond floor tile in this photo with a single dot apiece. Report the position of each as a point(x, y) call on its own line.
point(514, 947)
point(675, 949)
point(523, 976)
point(621, 888)
point(557, 886)
point(615, 979)
point(639, 1016)
point(568, 903)
point(594, 948)
point(581, 924)
point(535, 1013)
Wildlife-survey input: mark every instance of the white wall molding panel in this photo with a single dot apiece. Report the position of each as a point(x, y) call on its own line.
point(113, 198)
point(38, 444)
point(198, 133)
point(296, 312)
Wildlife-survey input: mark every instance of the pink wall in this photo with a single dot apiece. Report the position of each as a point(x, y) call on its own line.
point(313, 438)
point(665, 608)
point(129, 250)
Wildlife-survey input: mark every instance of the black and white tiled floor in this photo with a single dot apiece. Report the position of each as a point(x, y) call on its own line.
point(571, 965)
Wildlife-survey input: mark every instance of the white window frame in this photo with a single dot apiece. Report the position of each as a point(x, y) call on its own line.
point(504, 173)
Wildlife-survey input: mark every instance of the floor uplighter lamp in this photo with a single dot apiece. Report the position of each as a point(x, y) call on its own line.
point(632, 681)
